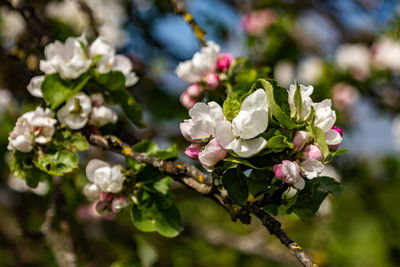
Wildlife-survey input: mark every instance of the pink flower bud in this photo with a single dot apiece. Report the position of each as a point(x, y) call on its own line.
point(312, 152)
point(340, 131)
point(193, 151)
point(212, 80)
point(224, 61)
point(119, 203)
point(212, 153)
point(195, 90)
point(278, 171)
point(105, 196)
point(186, 100)
point(300, 138)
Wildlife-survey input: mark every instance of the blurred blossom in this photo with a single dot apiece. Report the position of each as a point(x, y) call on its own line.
point(344, 96)
point(310, 70)
point(20, 185)
point(331, 172)
point(12, 26)
point(386, 54)
point(5, 99)
point(396, 131)
point(70, 13)
point(255, 22)
point(284, 73)
point(354, 58)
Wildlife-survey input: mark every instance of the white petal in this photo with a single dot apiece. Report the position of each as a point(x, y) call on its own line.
point(216, 112)
point(300, 183)
point(311, 168)
point(202, 129)
point(248, 125)
point(34, 86)
point(92, 166)
point(255, 101)
point(333, 137)
point(224, 134)
point(247, 148)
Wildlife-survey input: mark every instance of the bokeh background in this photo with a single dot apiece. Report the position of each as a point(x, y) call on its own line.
point(349, 50)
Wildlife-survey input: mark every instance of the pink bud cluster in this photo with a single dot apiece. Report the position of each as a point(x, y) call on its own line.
point(110, 203)
point(309, 165)
point(211, 81)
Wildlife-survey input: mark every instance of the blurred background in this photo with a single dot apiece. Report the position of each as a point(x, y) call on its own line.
point(349, 50)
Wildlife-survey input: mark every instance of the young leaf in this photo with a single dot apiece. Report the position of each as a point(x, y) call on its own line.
point(231, 107)
point(56, 90)
point(57, 162)
point(235, 183)
point(298, 102)
point(319, 138)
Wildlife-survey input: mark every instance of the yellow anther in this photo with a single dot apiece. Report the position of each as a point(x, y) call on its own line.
point(297, 247)
point(200, 178)
point(127, 151)
point(179, 166)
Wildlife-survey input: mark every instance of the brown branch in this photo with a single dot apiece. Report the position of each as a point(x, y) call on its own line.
point(195, 179)
point(60, 242)
point(198, 31)
point(89, 13)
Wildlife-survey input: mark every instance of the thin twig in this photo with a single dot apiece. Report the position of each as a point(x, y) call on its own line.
point(190, 176)
point(198, 31)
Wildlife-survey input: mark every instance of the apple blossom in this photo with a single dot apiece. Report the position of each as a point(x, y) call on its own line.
point(310, 70)
point(289, 172)
point(212, 153)
point(21, 136)
point(11, 27)
point(193, 151)
point(204, 119)
point(386, 54)
point(75, 113)
point(6, 99)
point(305, 92)
point(344, 96)
point(325, 117)
point(185, 129)
point(68, 59)
point(119, 203)
point(202, 63)
point(224, 61)
point(195, 90)
point(212, 80)
point(354, 58)
point(101, 116)
point(251, 121)
point(68, 12)
point(42, 125)
point(107, 178)
point(20, 185)
point(34, 86)
point(110, 61)
point(91, 191)
point(284, 72)
point(334, 137)
point(300, 138)
point(311, 168)
point(312, 152)
point(257, 21)
point(186, 100)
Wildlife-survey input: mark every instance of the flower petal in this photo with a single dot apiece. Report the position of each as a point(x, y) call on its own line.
point(247, 148)
point(333, 137)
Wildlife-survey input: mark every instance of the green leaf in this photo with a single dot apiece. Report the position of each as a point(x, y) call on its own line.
point(235, 183)
point(243, 161)
point(146, 251)
point(162, 186)
point(340, 152)
point(259, 181)
point(163, 217)
point(275, 109)
point(310, 198)
point(151, 149)
point(298, 102)
point(79, 142)
point(21, 166)
point(231, 107)
point(56, 90)
point(277, 143)
point(113, 82)
point(57, 162)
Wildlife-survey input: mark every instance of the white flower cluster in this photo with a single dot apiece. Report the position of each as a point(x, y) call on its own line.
point(109, 17)
point(12, 25)
point(205, 71)
point(103, 178)
point(32, 127)
point(20, 185)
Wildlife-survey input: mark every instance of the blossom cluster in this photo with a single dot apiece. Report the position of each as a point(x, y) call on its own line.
point(205, 71)
point(105, 183)
point(213, 136)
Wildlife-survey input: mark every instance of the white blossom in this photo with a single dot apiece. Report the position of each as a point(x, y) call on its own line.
point(102, 115)
point(386, 54)
point(325, 117)
point(34, 126)
point(354, 58)
point(110, 61)
point(20, 185)
point(305, 92)
point(91, 191)
point(12, 25)
point(284, 72)
point(289, 172)
point(108, 178)
point(6, 99)
point(75, 113)
point(311, 168)
point(34, 86)
point(202, 63)
point(68, 59)
point(310, 70)
point(204, 118)
point(251, 121)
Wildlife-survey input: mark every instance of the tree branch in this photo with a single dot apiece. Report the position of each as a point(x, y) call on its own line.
point(195, 179)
